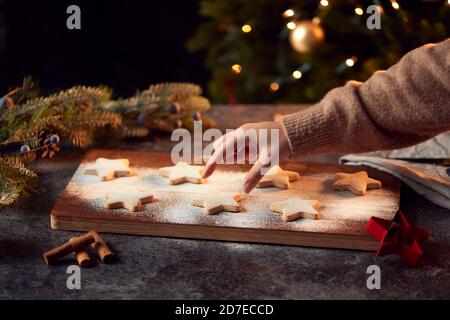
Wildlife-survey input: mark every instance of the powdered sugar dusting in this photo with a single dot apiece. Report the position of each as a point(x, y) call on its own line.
point(340, 212)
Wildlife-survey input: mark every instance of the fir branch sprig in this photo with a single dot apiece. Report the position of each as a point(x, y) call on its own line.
point(195, 104)
point(175, 91)
point(29, 125)
point(15, 179)
point(85, 98)
point(162, 107)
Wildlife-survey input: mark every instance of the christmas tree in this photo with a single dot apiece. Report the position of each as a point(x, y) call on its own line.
point(296, 51)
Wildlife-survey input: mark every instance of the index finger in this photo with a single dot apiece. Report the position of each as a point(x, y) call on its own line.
point(256, 172)
point(212, 162)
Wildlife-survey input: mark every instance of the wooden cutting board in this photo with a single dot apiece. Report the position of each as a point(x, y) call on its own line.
point(342, 223)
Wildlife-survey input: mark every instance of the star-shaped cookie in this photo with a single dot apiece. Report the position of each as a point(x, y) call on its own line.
point(107, 169)
point(131, 201)
point(295, 208)
point(357, 183)
point(215, 203)
point(183, 172)
point(279, 178)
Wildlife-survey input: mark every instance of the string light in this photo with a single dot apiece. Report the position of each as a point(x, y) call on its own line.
point(350, 62)
point(395, 4)
point(274, 86)
point(359, 11)
point(291, 25)
point(316, 20)
point(246, 28)
point(236, 68)
point(324, 3)
point(288, 13)
point(297, 74)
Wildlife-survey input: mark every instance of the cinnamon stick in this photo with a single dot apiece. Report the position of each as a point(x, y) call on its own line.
point(83, 258)
point(73, 245)
point(101, 248)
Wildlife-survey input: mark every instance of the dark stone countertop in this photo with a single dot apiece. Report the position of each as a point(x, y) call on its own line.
point(162, 268)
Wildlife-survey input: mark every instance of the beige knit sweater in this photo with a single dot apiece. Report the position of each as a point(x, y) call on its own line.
point(407, 104)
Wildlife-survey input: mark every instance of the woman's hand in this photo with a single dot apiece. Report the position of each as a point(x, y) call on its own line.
point(263, 153)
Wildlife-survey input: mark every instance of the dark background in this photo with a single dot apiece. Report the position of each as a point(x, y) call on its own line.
point(126, 45)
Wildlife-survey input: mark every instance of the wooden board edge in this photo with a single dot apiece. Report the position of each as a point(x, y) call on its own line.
point(233, 234)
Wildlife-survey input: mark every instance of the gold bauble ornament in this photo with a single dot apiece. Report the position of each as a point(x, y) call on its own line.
point(306, 36)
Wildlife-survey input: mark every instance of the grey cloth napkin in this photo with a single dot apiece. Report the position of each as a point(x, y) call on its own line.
point(434, 148)
point(429, 180)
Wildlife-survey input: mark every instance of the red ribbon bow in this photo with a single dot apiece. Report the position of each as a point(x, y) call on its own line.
point(398, 237)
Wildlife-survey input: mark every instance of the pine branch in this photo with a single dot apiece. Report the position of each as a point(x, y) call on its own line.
point(72, 114)
point(133, 131)
point(133, 105)
point(175, 91)
point(15, 179)
point(85, 98)
point(80, 138)
point(76, 114)
point(95, 119)
point(28, 90)
point(162, 124)
point(16, 166)
point(32, 129)
point(199, 104)
point(161, 107)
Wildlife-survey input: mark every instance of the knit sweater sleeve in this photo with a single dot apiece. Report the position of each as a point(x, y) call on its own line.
point(402, 106)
